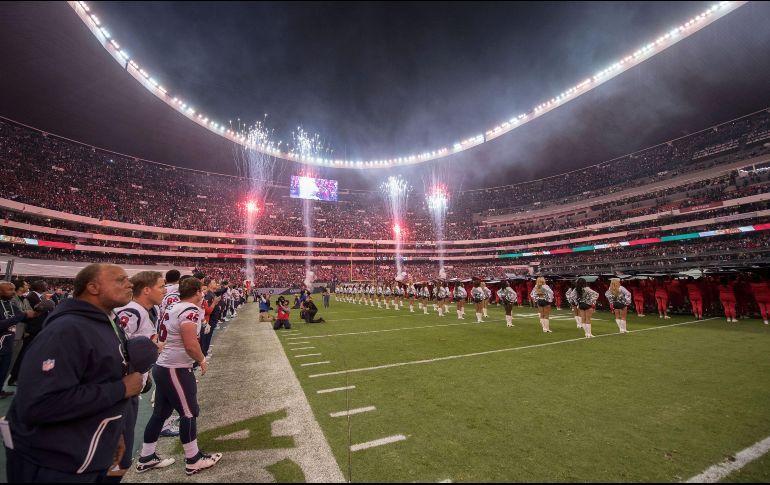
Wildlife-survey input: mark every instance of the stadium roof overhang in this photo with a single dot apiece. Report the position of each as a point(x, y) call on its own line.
point(63, 81)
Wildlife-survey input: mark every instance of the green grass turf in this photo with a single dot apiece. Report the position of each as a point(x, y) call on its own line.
point(286, 471)
point(658, 405)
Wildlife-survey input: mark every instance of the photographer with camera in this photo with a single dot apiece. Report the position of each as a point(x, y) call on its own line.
point(309, 310)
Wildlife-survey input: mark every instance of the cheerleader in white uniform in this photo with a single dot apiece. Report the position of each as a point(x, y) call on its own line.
point(542, 295)
point(459, 297)
point(573, 304)
point(424, 298)
point(586, 299)
point(620, 298)
point(487, 296)
point(477, 295)
point(411, 292)
point(507, 296)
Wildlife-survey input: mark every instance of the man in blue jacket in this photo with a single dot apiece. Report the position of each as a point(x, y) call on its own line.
point(10, 315)
point(66, 420)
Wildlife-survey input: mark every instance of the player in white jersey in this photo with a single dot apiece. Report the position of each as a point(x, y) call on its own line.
point(172, 290)
point(176, 388)
point(138, 319)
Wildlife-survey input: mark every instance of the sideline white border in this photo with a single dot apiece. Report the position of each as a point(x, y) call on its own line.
point(719, 471)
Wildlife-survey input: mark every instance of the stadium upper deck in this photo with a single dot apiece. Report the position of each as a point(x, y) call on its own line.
point(77, 198)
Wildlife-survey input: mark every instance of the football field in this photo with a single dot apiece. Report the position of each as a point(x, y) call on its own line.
point(409, 397)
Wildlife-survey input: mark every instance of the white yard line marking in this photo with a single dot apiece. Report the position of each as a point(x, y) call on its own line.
point(301, 348)
point(314, 363)
point(351, 412)
point(297, 343)
point(488, 352)
point(306, 355)
point(378, 318)
point(719, 471)
point(336, 389)
point(379, 442)
point(398, 329)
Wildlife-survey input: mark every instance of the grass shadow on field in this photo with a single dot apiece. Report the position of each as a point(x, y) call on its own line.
point(249, 434)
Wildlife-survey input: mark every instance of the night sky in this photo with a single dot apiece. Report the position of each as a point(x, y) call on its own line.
point(379, 80)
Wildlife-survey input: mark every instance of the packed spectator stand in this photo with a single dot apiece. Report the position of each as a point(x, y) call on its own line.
point(716, 179)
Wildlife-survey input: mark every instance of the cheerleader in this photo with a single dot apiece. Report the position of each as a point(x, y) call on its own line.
point(696, 298)
point(638, 293)
point(661, 298)
point(478, 295)
point(586, 299)
point(761, 291)
point(728, 300)
point(520, 287)
point(441, 296)
point(508, 297)
point(530, 286)
point(372, 294)
point(487, 296)
point(573, 304)
point(558, 297)
point(387, 293)
point(542, 295)
point(459, 297)
point(620, 299)
point(411, 292)
point(397, 292)
point(425, 298)
point(447, 298)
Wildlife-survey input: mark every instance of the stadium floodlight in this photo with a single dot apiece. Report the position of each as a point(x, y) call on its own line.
point(252, 206)
point(646, 51)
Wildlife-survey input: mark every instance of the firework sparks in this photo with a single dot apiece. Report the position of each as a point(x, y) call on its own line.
point(437, 199)
point(395, 191)
point(308, 146)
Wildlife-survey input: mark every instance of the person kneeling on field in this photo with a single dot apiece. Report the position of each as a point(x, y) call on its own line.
point(309, 311)
point(283, 315)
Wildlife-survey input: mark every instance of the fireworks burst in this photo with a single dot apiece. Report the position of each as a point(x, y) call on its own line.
point(308, 146)
point(437, 199)
point(395, 190)
point(258, 168)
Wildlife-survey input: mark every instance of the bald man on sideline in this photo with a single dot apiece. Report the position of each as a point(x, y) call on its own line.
point(67, 417)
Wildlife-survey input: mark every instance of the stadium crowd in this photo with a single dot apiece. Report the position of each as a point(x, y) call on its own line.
point(47, 171)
